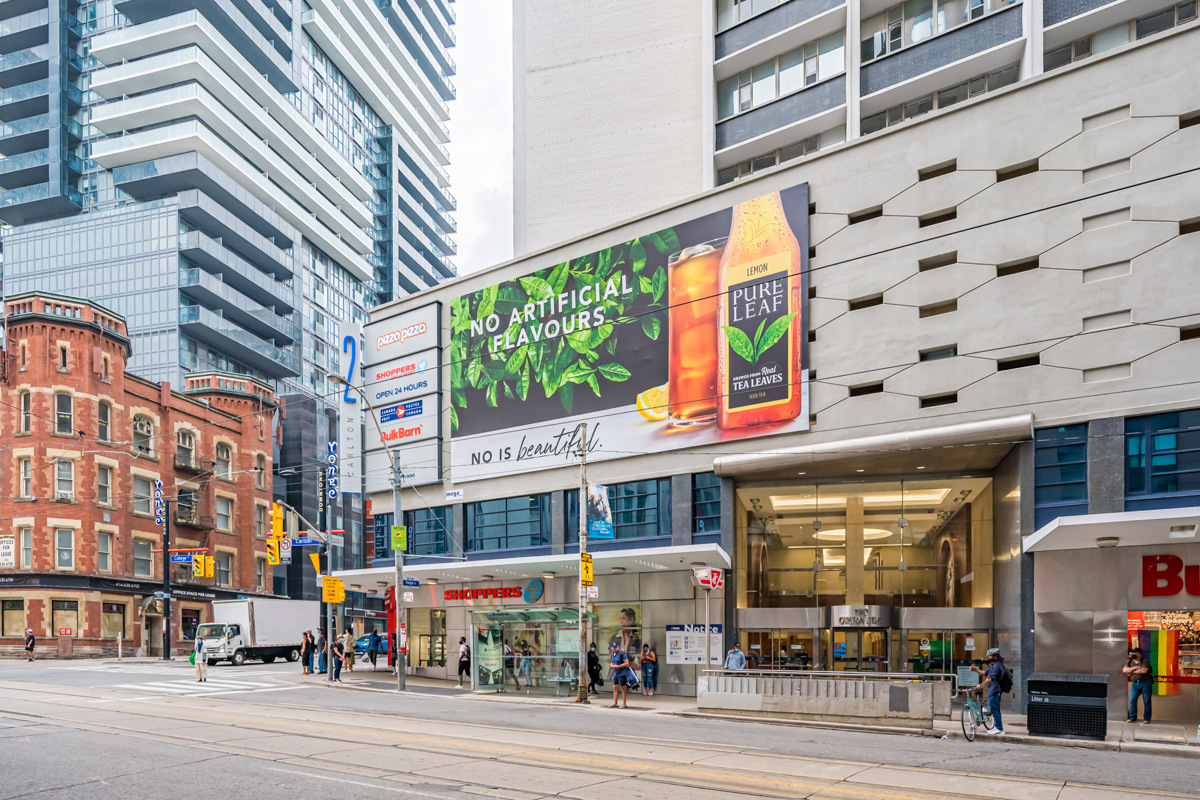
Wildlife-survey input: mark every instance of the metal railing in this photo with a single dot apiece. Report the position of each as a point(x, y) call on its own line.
point(864, 677)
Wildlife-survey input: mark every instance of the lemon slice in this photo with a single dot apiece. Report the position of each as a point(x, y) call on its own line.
point(652, 403)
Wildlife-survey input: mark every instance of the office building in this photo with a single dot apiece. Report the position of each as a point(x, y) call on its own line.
point(686, 96)
point(240, 181)
point(926, 393)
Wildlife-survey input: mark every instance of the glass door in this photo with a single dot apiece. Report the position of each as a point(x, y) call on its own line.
point(873, 650)
point(794, 649)
point(846, 649)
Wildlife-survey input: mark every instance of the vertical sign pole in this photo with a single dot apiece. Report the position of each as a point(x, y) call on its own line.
point(707, 632)
point(398, 560)
point(166, 580)
point(581, 695)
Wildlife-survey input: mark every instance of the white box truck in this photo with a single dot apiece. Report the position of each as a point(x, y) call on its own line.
point(259, 628)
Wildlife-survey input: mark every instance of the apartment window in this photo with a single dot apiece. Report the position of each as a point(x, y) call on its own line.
point(12, 618)
point(63, 362)
point(64, 480)
point(104, 476)
point(26, 536)
point(260, 522)
point(64, 416)
point(224, 514)
point(260, 468)
point(260, 574)
point(143, 559)
point(25, 473)
point(1165, 20)
point(731, 12)
point(185, 448)
point(427, 531)
point(941, 99)
point(815, 61)
point(143, 432)
point(104, 364)
point(64, 548)
point(706, 503)
point(510, 523)
point(224, 569)
point(1060, 473)
point(104, 422)
point(143, 492)
point(104, 549)
point(224, 461)
point(917, 20)
point(24, 356)
point(1162, 459)
point(782, 155)
point(64, 617)
point(640, 509)
point(26, 422)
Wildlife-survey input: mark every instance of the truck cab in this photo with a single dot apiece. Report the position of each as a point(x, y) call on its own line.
point(222, 642)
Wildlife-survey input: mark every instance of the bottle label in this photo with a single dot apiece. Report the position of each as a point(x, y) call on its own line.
point(757, 327)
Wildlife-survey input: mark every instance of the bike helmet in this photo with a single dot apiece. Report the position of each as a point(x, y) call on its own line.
point(995, 651)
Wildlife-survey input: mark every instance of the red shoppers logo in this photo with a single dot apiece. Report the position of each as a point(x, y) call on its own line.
point(1163, 576)
point(401, 336)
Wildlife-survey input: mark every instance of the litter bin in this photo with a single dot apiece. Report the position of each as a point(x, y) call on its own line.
point(1068, 706)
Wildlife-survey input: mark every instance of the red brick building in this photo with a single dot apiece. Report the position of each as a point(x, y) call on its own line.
point(84, 443)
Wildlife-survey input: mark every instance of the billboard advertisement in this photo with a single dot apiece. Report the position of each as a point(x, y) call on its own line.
point(688, 336)
point(404, 334)
point(403, 378)
point(408, 421)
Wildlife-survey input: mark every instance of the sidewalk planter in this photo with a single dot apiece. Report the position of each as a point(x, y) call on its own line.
point(897, 702)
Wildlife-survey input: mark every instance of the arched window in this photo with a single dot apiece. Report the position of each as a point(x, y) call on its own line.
point(64, 414)
point(26, 412)
point(185, 448)
point(224, 461)
point(104, 422)
point(143, 432)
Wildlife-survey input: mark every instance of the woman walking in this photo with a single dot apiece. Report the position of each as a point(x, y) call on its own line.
point(526, 670)
point(348, 649)
point(593, 670)
point(649, 670)
point(306, 648)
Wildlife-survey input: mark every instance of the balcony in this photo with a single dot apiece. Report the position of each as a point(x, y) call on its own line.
point(32, 99)
point(810, 103)
point(38, 201)
point(442, 26)
point(188, 462)
point(212, 328)
point(190, 516)
point(24, 66)
point(927, 58)
point(214, 293)
point(25, 169)
point(212, 256)
point(769, 25)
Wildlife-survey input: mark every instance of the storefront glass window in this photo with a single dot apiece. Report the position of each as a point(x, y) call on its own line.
point(640, 509)
point(538, 649)
point(1162, 460)
point(1060, 474)
point(508, 524)
point(706, 503)
point(112, 621)
point(65, 617)
point(12, 617)
point(428, 533)
point(190, 618)
point(835, 544)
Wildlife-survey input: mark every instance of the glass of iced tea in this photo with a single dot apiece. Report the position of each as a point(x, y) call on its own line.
point(693, 283)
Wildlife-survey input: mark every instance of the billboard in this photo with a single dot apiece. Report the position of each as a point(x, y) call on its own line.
point(404, 334)
point(688, 336)
point(408, 421)
point(420, 465)
point(402, 378)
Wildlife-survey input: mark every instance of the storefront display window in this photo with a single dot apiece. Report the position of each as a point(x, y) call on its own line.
point(65, 617)
point(640, 510)
point(112, 621)
point(190, 619)
point(537, 650)
point(427, 632)
point(1171, 641)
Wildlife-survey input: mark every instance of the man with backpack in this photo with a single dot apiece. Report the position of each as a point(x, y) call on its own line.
point(464, 660)
point(997, 680)
point(1141, 683)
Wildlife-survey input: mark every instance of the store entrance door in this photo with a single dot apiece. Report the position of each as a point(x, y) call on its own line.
point(781, 649)
point(859, 650)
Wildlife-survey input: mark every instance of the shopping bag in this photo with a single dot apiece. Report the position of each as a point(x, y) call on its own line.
point(192, 658)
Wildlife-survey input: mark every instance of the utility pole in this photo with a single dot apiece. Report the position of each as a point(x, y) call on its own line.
point(398, 600)
point(327, 573)
point(582, 694)
point(166, 578)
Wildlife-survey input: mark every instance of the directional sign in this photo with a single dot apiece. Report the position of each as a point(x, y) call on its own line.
point(305, 543)
point(586, 574)
point(412, 582)
point(337, 539)
point(181, 558)
point(333, 590)
point(285, 550)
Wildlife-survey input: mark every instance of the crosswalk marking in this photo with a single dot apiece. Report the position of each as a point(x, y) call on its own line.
point(194, 688)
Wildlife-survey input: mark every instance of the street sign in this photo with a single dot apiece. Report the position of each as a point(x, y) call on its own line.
point(8, 552)
point(586, 573)
point(412, 582)
point(408, 597)
point(709, 578)
point(333, 590)
point(400, 538)
point(285, 551)
point(337, 539)
point(305, 543)
point(160, 595)
point(181, 558)
point(593, 592)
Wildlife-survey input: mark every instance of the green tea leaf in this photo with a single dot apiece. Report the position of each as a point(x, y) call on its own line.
point(606, 263)
point(578, 373)
point(491, 395)
point(611, 346)
point(475, 371)
point(774, 333)
point(660, 283)
point(578, 341)
point(487, 301)
point(645, 284)
point(507, 390)
point(566, 396)
point(523, 384)
point(537, 288)
point(513, 365)
point(460, 397)
point(739, 342)
point(637, 254)
point(595, 384)
point(615, 372)
point(665, 242)
point(651, 326)
point(453, 418)
point(558, 277)
point(758, 334)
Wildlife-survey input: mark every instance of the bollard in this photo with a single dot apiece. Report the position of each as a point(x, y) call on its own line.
point(118, 647)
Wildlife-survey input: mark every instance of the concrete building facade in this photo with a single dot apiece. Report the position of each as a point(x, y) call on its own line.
point(1001, 330)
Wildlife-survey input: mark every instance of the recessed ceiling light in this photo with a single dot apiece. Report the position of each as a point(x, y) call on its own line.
point(801, 473)
point(920, 468)
point(839, 534)
point(860, 470)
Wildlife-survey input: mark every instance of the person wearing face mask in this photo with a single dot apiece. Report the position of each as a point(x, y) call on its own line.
point(593, 670)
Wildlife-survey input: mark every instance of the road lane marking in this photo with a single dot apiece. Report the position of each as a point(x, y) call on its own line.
point(395, 789)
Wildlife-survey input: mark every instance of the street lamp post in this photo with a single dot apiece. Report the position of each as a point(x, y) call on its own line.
point(394, 461)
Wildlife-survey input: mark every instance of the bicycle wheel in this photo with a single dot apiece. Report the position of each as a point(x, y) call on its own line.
point(986, 714)
point(968, 723)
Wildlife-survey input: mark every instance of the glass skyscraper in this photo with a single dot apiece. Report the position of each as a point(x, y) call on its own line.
point(239, 178)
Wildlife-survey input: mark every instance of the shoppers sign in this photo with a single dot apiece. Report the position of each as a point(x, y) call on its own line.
point(403, 378)
point(687, 336)
point(1167, 575)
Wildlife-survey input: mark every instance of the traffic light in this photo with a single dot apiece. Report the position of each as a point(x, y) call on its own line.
point(276, 523)
point(273, 551)
point(210, 564)
point(197, 566)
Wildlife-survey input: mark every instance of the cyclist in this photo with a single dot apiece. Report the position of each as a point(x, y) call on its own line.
point(992, 678)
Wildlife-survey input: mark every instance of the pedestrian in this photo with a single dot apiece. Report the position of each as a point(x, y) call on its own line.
point(306, 648)
point(526, 669)
point(392, 656)
point(993, 679)
point(348, 648)
point(30, 643)
point(619, 660)
point(1141, 683)
point(201, 658)
point(649, 670)
point(593, 668)
point(510, 659)
point(735, 658)
point(322, 656)
point(464, 660)
point(337, 654)
point(374, 645)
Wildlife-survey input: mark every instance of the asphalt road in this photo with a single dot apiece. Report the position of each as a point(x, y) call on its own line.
point(86, 729)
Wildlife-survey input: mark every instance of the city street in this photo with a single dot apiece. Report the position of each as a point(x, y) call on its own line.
point(94, 729)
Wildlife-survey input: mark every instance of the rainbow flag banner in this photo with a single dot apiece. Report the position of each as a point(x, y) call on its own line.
point(1162, 648)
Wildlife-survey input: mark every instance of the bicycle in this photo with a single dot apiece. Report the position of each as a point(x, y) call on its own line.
point(974, 713)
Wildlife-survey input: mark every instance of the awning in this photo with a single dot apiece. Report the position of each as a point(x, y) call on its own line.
point(1129, 528)
point(609, 562)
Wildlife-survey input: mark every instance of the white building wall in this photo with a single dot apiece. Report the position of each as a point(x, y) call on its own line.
point(609, 112)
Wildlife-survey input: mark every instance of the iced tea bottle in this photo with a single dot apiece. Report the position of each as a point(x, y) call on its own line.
point(692, 322)
point(758, 341)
